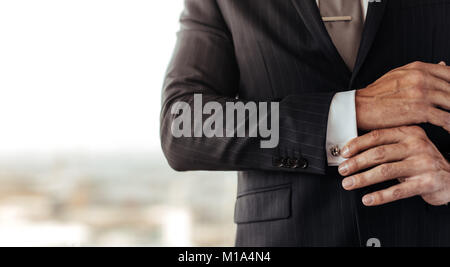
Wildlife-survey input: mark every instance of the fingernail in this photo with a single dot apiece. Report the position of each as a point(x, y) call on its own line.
point(343, 169)
point(347, 183)
point(367, 200)
point(345, 151)
point(442, 63)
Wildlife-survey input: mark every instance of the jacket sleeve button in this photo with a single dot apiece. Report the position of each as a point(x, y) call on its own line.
point(293, 163)
point(285, 162)
point(303, 164)
point(278, 162)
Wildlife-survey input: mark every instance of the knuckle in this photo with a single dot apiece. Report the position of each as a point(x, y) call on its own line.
point(430, 150)
point(378, 197)
point(417, 77)
point(428, 184)
point(430, 114)
point(424, 113)
point(415, 65)
point(406, 146)
point(427, 161)
point(353, 145)
point(379, 153)
point(442, 166)
point(421, 109)
point(385, 170)
point(416, 130)
point(398, 193)
point(421, 145)
point(434, 200)
point(375, 135)
point(353, 164)
point(359, 180)
point(405, 130)
point(435, 165)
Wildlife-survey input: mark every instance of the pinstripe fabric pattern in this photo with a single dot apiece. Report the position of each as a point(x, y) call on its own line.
point(278, 50)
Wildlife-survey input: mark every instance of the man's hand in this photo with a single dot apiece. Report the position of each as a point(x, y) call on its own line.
point(403, 153)
point(413, 94)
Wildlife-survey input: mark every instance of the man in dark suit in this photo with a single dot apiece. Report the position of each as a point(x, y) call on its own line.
point(337, 68)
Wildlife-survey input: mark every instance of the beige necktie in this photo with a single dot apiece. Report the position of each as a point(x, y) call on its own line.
point(345, 33)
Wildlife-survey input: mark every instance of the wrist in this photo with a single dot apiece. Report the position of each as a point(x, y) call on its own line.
point(363, 110)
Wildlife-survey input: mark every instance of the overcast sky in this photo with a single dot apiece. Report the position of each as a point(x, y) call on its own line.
point(83, 75)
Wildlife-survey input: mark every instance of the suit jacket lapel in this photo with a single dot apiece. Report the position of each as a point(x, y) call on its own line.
point(311, 17)
point(374, 17)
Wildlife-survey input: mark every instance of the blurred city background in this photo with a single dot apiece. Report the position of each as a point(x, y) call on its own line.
point(80, 160)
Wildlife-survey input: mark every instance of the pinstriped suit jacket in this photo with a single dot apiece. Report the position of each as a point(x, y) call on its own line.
point(279, 50)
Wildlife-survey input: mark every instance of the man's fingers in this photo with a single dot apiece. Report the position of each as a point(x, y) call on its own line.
point(437, 70)
point(438, 84)
point(372, 139)
point(404, 190)
point(440, 98)
point(439, 118)
point(373, 157)
point(440, 71)
point(379, 174)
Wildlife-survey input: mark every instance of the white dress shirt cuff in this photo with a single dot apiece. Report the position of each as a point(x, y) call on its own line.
point(341, 125)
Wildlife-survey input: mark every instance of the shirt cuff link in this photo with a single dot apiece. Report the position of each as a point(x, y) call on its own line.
point(335, 151)
point(334, 154)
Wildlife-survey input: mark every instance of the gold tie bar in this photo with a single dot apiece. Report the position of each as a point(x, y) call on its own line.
point(339, 18)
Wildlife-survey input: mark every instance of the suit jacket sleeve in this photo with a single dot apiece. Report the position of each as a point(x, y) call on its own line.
point(204, 63)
